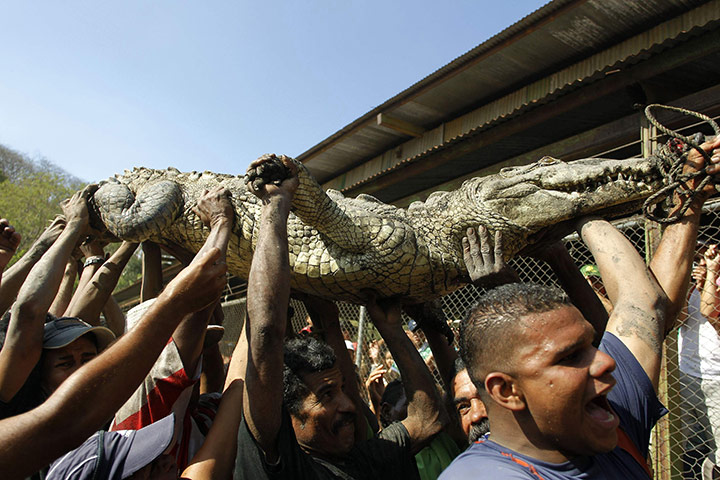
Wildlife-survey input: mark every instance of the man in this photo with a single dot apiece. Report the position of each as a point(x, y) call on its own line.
point(69, 343)
point(487, 268)
point(469, 406)
point(549, 391)
point(298, 420)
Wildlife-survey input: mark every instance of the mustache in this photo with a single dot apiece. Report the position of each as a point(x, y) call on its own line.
point(478, 430)
point(346, 417)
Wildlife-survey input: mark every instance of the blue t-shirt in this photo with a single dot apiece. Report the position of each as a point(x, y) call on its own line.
point(633, 399)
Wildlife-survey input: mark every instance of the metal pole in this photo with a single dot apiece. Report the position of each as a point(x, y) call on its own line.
point(361, 328)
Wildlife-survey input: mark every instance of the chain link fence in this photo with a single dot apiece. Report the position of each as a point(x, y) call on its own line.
point(690, 384)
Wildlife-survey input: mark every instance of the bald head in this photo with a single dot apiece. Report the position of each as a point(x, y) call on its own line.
point(489, 330)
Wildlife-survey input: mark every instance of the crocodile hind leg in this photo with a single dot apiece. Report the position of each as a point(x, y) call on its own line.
point(312, 204)
point(136, 217)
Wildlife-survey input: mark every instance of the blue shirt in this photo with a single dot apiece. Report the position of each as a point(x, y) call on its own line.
point(633, 399)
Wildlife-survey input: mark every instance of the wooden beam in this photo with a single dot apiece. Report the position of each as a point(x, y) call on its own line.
point(394, 123)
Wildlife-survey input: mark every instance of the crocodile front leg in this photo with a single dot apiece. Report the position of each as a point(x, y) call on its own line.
point(313, 205)
point(136, 217)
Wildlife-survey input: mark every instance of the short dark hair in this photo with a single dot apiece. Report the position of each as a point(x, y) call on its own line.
point(458, 366)
point(303, 355)
point(392, 394)
point(486, 332)
point(393, 391)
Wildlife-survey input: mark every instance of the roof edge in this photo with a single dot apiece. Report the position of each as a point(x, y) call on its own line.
point(518, 28)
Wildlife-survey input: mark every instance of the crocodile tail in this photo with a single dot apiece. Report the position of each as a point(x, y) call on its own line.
point(136, 217)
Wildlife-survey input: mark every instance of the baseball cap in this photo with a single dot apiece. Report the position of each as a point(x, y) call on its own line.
point(115, 455)
point(65, 330)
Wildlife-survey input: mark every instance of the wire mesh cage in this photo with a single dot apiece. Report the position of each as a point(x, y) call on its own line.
point(683, 439)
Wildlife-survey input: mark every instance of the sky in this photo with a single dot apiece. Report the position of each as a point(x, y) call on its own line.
point(99, 87)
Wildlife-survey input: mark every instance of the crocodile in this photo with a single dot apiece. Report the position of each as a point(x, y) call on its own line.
point(341, 246)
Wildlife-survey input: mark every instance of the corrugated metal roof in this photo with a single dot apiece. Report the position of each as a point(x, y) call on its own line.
point(560, 45)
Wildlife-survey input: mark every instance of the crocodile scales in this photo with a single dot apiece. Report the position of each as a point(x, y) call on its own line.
point(341, 246)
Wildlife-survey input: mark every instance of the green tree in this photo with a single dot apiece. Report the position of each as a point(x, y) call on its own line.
point(31, 192)
point(30, 195)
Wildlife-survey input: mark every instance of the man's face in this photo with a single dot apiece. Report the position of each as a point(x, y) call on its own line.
point(58, 364)
point(469, 407)
point(565, 380)
point(326, 422)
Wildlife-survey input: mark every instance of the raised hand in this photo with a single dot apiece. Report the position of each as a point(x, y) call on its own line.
point(9, 241)
point(75, 208)
point(271, 175)
point(712, 259)
point(486, 268)
point(375, 385)
point(699, 271)
point(696, 162)
point(214, 206)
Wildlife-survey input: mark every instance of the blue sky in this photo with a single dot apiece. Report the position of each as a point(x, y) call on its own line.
point(98, 87)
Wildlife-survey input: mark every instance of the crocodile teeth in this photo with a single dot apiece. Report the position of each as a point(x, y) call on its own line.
point(620, 176)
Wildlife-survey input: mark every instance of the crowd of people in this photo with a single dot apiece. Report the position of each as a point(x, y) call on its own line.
point(546, 383)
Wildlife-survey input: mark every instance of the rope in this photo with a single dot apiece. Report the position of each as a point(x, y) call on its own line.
point(670, 161)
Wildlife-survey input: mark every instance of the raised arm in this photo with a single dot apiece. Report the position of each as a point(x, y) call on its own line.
point(267, 303)
point(114, 317)
point(641, 307)
point(9, 241)
point(89, 300)
point(672, 262)
point(215, 211)
point(426, 416)
point(90, 396)
point(431, 319)
point(14, 277)
point(709, 297)
point(152, 277)
point(216, 457)
point(65, 293)
point(93, 253)
point(23, 344)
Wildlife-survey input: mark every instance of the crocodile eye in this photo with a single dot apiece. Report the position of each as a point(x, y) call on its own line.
point(544, 161)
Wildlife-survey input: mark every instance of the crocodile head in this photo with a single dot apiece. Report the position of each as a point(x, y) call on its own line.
point(525, 201)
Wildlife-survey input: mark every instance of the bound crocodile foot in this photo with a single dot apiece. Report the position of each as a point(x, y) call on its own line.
point(269, 168)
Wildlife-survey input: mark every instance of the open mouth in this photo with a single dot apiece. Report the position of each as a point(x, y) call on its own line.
point(601, 412)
